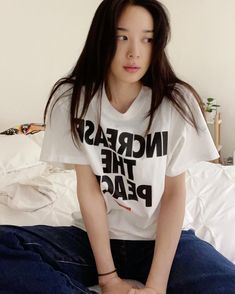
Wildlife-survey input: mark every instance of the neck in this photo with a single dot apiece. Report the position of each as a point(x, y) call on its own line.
point(122, 95)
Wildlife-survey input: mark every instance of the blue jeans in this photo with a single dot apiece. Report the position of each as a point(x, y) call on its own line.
point(59, 260)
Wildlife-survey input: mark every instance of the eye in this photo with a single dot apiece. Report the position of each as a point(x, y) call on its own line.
point(148, 40)
point(122, 38)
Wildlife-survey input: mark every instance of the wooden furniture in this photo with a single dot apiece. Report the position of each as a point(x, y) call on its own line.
point(215, 129)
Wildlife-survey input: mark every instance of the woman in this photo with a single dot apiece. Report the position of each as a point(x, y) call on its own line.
point(132, 129)
point(137, 128)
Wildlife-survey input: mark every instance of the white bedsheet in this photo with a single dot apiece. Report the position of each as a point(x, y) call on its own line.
point(49, 199)
point(210, 208)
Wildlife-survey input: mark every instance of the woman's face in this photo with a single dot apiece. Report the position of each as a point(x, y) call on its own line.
point(134, 35)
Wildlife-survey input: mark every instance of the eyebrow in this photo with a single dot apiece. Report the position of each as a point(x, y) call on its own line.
point(126, 30)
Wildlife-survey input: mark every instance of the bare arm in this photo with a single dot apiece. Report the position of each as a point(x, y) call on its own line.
point(168, 232)
point(93, 211)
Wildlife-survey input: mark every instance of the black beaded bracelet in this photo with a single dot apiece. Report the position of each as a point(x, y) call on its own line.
point(106, 274)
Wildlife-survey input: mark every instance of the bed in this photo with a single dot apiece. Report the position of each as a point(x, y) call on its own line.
point(33, 192)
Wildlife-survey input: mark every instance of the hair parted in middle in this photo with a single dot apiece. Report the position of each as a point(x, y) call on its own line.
point(91, 70)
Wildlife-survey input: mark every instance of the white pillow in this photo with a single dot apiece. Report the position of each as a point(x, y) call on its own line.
point(19, 159)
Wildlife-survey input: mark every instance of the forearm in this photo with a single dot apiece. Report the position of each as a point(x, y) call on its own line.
point(168, 233)
point(95, 219)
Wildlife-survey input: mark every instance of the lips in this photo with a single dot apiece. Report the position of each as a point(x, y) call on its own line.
point(131, 68)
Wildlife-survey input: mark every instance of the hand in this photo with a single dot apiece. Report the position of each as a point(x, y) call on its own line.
point(116, 285)
point(145, 290)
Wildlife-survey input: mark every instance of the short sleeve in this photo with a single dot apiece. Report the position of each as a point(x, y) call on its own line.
point(58, 145)
point(186, 145)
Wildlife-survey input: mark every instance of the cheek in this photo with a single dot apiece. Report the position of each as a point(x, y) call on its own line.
point(115, 64)
point(147, 63)
point(120, 51)
point(117, 52)
point(148, 55)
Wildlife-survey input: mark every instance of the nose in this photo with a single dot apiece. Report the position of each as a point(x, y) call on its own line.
point(133, 51)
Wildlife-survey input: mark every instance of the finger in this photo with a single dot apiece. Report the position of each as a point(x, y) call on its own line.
point(137, 286)
point(131, 291)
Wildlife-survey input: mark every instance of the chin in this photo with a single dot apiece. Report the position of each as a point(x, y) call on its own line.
point(133, 79)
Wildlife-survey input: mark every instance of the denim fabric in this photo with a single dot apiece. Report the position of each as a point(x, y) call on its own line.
point(44, 260)
point(59, 260)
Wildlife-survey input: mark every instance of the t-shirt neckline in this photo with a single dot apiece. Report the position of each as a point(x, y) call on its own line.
point(135, 108)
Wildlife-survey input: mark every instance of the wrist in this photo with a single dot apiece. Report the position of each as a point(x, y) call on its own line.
point(158, 286)
point(104, 280)
point(107, 273)
point(156, 290)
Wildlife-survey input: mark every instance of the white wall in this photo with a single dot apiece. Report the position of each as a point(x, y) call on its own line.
point(202, 51)
point(41, 40)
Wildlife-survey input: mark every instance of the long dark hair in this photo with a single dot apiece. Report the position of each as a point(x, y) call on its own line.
point(92, 67)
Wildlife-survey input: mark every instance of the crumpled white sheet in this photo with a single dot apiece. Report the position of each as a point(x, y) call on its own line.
point(29, 195)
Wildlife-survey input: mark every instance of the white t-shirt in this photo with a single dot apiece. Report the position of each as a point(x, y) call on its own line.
point(130, 166)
